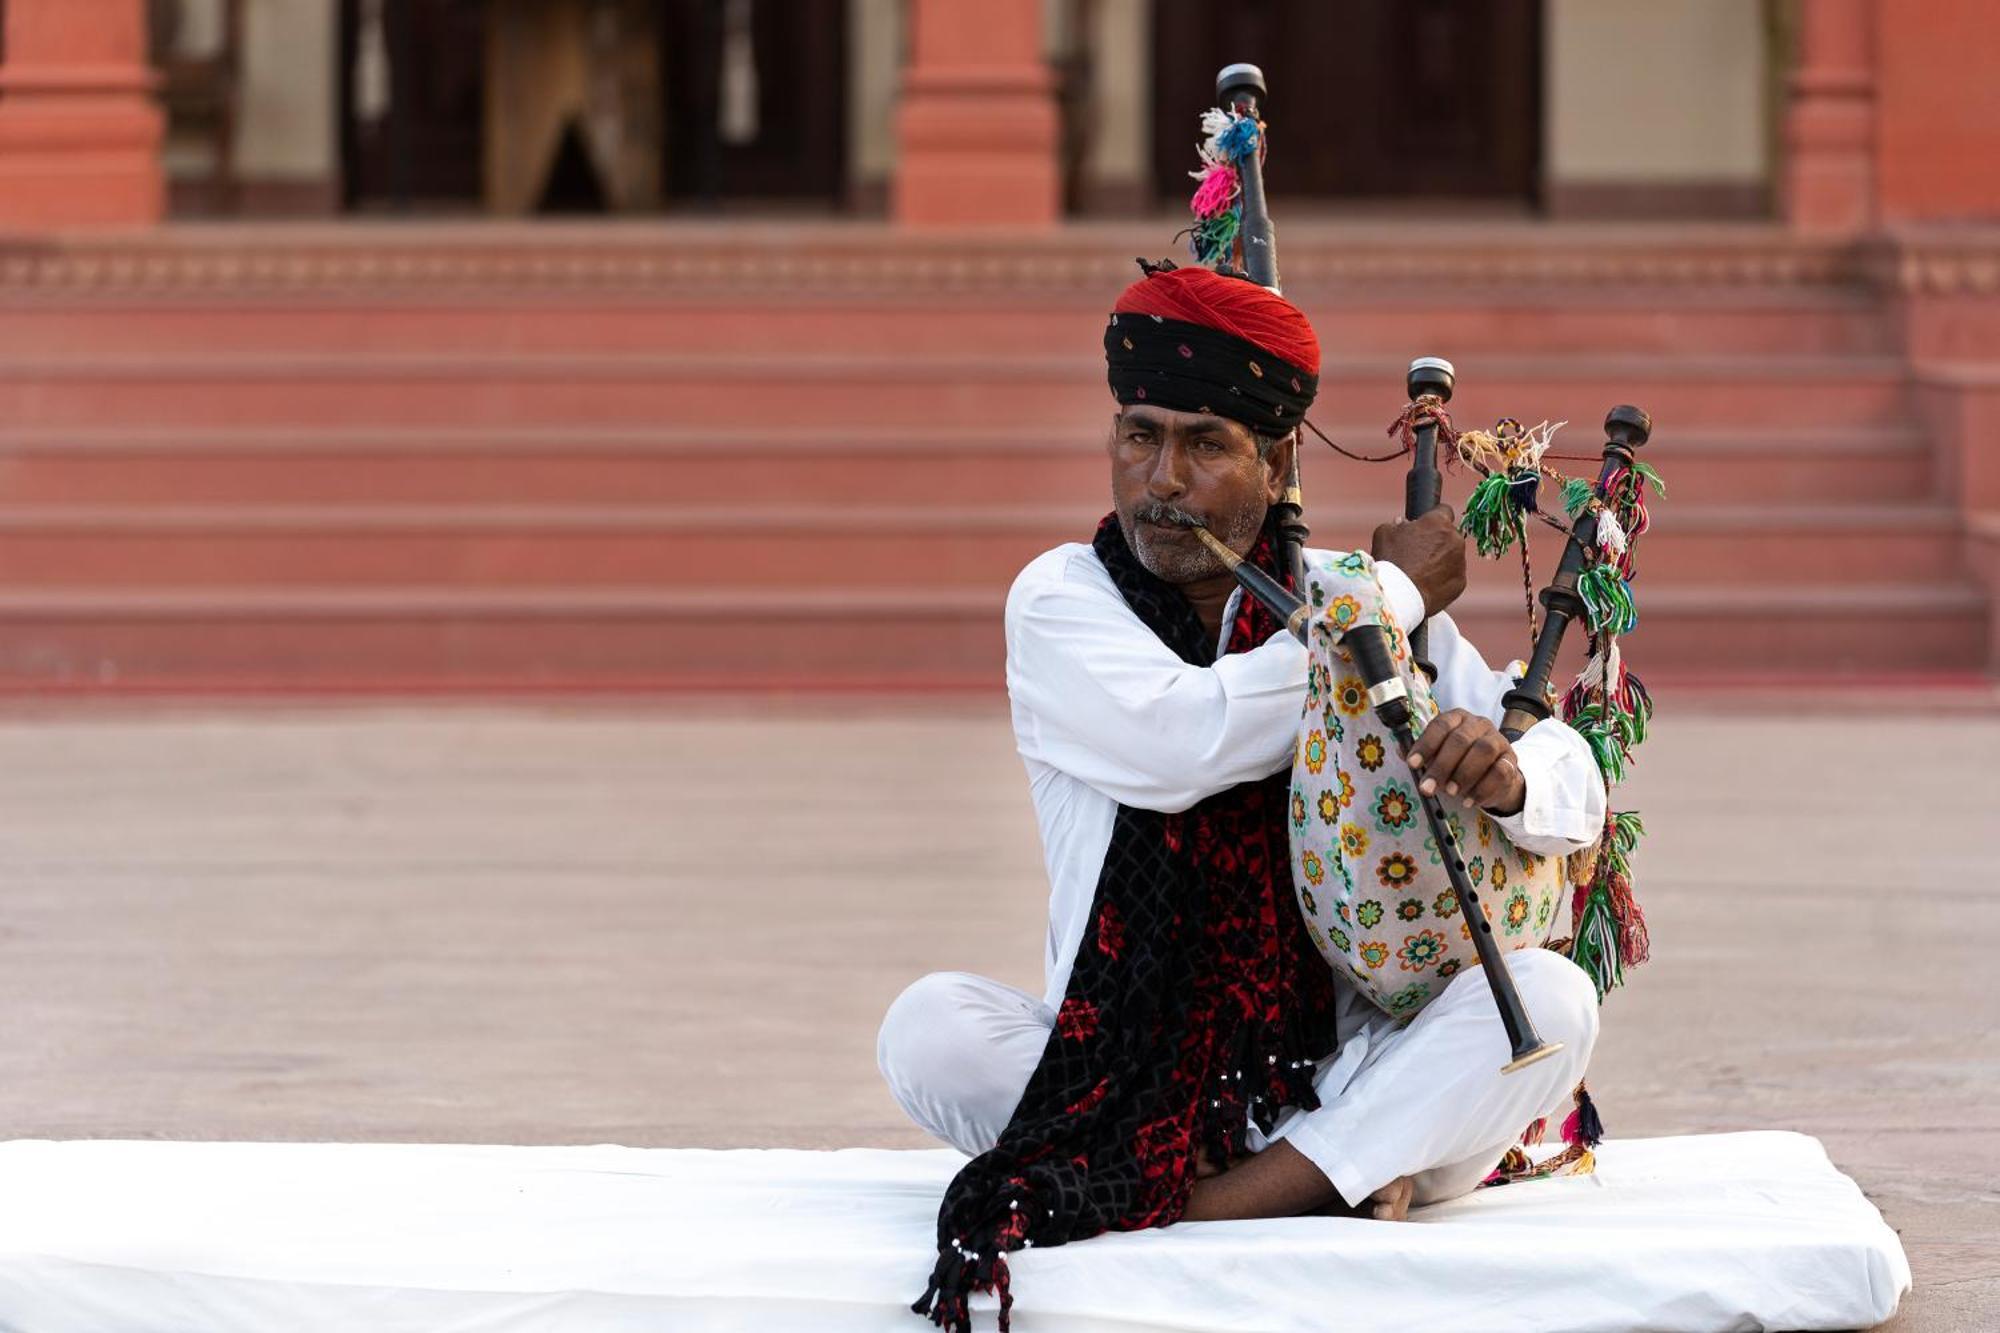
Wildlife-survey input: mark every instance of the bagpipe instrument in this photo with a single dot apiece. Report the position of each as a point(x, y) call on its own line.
point(1398, 894)
point(1626, 431)
point(1239, 87)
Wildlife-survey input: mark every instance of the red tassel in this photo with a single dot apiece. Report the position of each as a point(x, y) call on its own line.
point(1635, 946)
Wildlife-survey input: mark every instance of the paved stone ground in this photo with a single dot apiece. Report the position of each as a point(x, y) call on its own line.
point(678, 924)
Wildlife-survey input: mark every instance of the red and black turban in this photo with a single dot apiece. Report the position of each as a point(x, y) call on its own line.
point(1194, 340)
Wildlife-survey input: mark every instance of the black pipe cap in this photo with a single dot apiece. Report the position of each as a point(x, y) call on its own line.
point(1431, 374)
point(1628, 425)
point(1239, 79)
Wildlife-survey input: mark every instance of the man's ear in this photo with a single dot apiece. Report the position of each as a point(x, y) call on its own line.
point(1278, 467)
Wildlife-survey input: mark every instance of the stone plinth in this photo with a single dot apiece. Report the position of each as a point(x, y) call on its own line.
point(1829, 171)
point(79, 132)
point(977, 127)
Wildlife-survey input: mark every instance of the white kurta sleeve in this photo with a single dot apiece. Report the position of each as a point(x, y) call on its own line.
point(1564, 807)
point(1107, 702)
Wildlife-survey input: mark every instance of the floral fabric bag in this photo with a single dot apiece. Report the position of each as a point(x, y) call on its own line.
point(1369, 876)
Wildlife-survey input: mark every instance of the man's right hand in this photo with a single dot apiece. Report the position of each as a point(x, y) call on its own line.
point(1430, 550)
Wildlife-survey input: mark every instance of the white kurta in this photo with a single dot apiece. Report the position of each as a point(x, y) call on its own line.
point(1106, 714)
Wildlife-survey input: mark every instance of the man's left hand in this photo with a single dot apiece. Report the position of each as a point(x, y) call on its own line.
point(1464, 755)
point(1430, 550)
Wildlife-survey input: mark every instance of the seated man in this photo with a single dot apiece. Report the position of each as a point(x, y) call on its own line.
point(1157, 713)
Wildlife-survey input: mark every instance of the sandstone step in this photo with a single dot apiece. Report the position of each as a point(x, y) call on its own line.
point(826, 547)
point(347, 639)
point(837, 464)
point(659, 456)
point(739, 392)
point(1836, 321)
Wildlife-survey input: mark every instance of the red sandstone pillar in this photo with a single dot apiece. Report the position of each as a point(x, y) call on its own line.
point(976, 128)
point(1829, 170)
point(79, 131)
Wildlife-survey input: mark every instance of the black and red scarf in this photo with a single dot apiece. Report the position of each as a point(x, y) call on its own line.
point(1196, 1006)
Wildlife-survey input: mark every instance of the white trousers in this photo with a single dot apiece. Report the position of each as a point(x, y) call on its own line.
point(1426, 1100)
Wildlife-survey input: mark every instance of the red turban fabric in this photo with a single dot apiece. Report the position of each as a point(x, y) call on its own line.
point(1232, 305)
point(1193, 340)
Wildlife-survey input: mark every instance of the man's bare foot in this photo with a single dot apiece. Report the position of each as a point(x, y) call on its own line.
point(1391, 1203)
point(1281, 1182)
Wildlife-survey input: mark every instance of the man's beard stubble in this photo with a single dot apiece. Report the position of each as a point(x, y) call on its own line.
point(1186, 561)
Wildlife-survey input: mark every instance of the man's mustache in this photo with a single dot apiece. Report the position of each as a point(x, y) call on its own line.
point(1166, 513)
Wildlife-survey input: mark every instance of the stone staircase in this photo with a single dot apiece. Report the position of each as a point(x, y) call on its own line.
point(814, 456)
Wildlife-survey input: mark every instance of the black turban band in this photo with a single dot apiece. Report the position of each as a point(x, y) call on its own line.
point(1188, 368)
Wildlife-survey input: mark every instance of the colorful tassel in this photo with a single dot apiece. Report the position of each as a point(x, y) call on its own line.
point(1594, 947)
point(1607, 599)
point(1610, 535)
point(1227, 139)
point(1627, 695)
point(1238, 140)
point(1213, 240)
point(1492, 520)
point(1577, 495)
point(1524, 488)
point(1626, 830)
point(1600, 733)
point(1213, 122)
point(1610, 930)
point(1613, 878)
point(1583, 1126)
point(1216, 191)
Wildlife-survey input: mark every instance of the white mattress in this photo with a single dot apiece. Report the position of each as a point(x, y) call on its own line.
point(1737, 1231)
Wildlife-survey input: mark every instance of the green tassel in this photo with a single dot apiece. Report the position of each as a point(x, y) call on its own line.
point(1491, 518)
point(1576, 495)
point(1607, 747)
point(1642, 702)
point(1650, 475)
point(1595, 945)
point(1625, 830)
point(1638, 722)
point(1214, 238)
point(1628, 727)
point(1608, 600)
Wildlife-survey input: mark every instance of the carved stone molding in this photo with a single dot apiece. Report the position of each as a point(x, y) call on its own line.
point(821, 261)
point(1942, 262)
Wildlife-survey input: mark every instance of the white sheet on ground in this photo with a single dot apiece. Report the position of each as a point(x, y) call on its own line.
point(1734, 1231)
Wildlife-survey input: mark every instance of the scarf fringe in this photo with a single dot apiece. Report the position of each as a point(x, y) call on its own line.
point(962, 1271)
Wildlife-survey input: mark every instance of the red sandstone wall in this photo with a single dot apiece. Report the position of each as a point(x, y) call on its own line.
point(1937, 145)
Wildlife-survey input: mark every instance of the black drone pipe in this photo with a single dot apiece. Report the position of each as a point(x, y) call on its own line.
point(1626, 431)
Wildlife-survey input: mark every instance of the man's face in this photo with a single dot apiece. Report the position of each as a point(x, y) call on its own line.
point(1173, 470)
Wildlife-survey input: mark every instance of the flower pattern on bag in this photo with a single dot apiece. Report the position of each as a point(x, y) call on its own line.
point(1395, 808)
point(1379, 867)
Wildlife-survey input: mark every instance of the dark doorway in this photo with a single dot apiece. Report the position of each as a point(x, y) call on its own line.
point(756, 99)
point(1369, 98)
point(412, 92)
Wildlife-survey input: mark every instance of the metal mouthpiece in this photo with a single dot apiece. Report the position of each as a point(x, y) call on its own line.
point(1431, 374)
point(1216, 548)
point(1236, 79)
